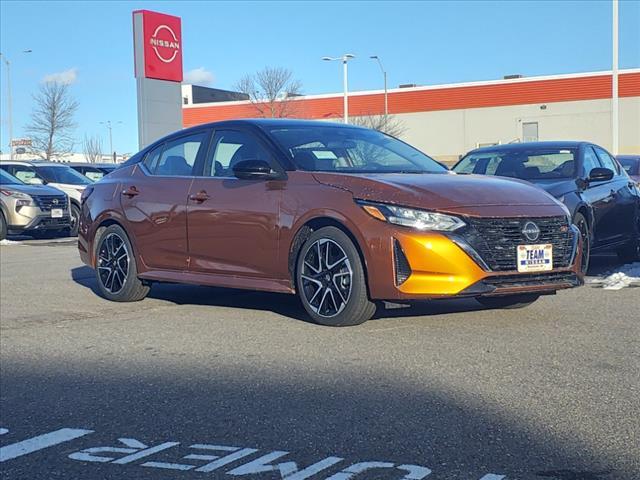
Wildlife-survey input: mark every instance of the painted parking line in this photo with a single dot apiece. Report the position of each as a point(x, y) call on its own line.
point(25, 447)
point(128, 452)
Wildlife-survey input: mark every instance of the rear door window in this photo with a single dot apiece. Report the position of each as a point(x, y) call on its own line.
point(178, 156)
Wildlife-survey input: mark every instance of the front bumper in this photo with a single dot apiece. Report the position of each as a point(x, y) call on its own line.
point(436, 265)
point(41, 222)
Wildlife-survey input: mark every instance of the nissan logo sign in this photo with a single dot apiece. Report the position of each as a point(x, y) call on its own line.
point(166, 49)
point(531, 231)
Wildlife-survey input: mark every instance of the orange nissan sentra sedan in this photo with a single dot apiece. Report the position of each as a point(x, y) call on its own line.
point(341, 215)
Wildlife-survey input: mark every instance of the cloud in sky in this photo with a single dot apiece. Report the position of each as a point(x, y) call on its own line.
point(199, 76)
point(66, 77)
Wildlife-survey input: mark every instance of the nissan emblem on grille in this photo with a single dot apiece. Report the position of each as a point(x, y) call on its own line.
point(531, 231)
point(55, 201)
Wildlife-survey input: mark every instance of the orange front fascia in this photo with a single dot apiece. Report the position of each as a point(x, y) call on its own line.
point(439, 266)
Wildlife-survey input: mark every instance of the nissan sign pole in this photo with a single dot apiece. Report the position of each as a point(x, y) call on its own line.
point(157, 45)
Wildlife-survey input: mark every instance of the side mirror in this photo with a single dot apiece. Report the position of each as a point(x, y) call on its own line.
point(34, 181)
point(254, 170)
point(600, 175)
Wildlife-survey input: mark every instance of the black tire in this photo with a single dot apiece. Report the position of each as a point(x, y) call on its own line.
point(117, 276)
point(580, 221)
point(75, 220)
point(341, 284)
point(3, 227)
point(509, 301)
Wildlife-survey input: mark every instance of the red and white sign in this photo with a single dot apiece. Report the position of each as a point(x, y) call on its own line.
point(162, 46)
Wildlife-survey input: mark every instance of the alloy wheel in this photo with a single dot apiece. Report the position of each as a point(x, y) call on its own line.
point(326, 277)
point(113, 263)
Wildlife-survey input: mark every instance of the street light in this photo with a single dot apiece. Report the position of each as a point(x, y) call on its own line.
point(9, 104)
point(345, 58)
point(384, 74)
point(110, 128)
point(614, 82)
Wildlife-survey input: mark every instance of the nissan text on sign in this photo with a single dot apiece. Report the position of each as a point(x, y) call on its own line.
point(158, 69)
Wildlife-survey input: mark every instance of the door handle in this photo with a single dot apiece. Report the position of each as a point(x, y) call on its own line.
point(130, 192)
point(199, 197)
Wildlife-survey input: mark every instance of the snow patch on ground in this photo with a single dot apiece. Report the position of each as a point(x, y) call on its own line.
point(625, 276)
point(8, 242)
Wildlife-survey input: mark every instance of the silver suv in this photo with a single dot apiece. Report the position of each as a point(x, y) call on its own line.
point(33, 210)
point(56, 175)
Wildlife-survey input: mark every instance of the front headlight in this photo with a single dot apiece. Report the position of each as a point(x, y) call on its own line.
point(24, 199)
point(410, 217)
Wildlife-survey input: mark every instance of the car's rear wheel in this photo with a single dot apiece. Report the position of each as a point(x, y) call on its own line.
point(583, 226)
point(116, 270)
point(508, 301)
point(330, 280)
point(3, 227)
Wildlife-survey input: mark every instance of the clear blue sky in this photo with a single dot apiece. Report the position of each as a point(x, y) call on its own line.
point(419, 42)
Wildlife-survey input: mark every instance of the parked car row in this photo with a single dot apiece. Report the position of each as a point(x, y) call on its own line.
point(35, 210)
point(26, 178)
point(346, 217)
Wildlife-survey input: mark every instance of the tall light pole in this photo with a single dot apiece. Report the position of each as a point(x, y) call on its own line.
point(384, 74)
point(110, 128)
point(345, 58)
point(614, 81)
point(9, 102)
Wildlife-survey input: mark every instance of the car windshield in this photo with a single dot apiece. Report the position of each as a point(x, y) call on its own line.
point(630, 165)
point(8, 179)
point(62, 174)
point(534, 164)
point(351, 150)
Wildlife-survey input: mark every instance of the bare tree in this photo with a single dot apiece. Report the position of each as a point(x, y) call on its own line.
point(272, 91)
point(92, 146)
point(52, 124)
point(388, 124)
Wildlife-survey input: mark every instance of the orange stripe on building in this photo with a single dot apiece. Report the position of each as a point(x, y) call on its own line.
point(446, 98)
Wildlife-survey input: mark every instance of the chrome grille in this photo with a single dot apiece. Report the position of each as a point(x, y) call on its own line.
point(496, 239)
point(48, 202)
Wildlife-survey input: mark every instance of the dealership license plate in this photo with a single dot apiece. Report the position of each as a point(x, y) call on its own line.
point(56, 213)
point(535, 258)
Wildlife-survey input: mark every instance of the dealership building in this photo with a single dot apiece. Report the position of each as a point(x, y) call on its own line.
point(448, 120)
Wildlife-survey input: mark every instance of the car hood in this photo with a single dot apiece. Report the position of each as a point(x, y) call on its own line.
point(557, 188)
point(33, 189)
point(467, 194)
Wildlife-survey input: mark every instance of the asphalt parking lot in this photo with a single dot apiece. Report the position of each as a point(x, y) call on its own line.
point(198, 382)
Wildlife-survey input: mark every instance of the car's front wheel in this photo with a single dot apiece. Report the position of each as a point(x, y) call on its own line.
point(581, 222)
point(508, 301)
point(330, 280)
point(116, 270)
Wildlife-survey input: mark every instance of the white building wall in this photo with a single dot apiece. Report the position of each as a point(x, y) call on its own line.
point(448, 134)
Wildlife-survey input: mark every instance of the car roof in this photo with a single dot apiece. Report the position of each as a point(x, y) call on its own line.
point(34, 163)
point(95, 165)
point(264, 123)
point(530, 145)
point(628, 157)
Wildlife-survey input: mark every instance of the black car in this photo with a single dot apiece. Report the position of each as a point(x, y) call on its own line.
point(631, 163)
point(603, 200)
point(94, 171)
